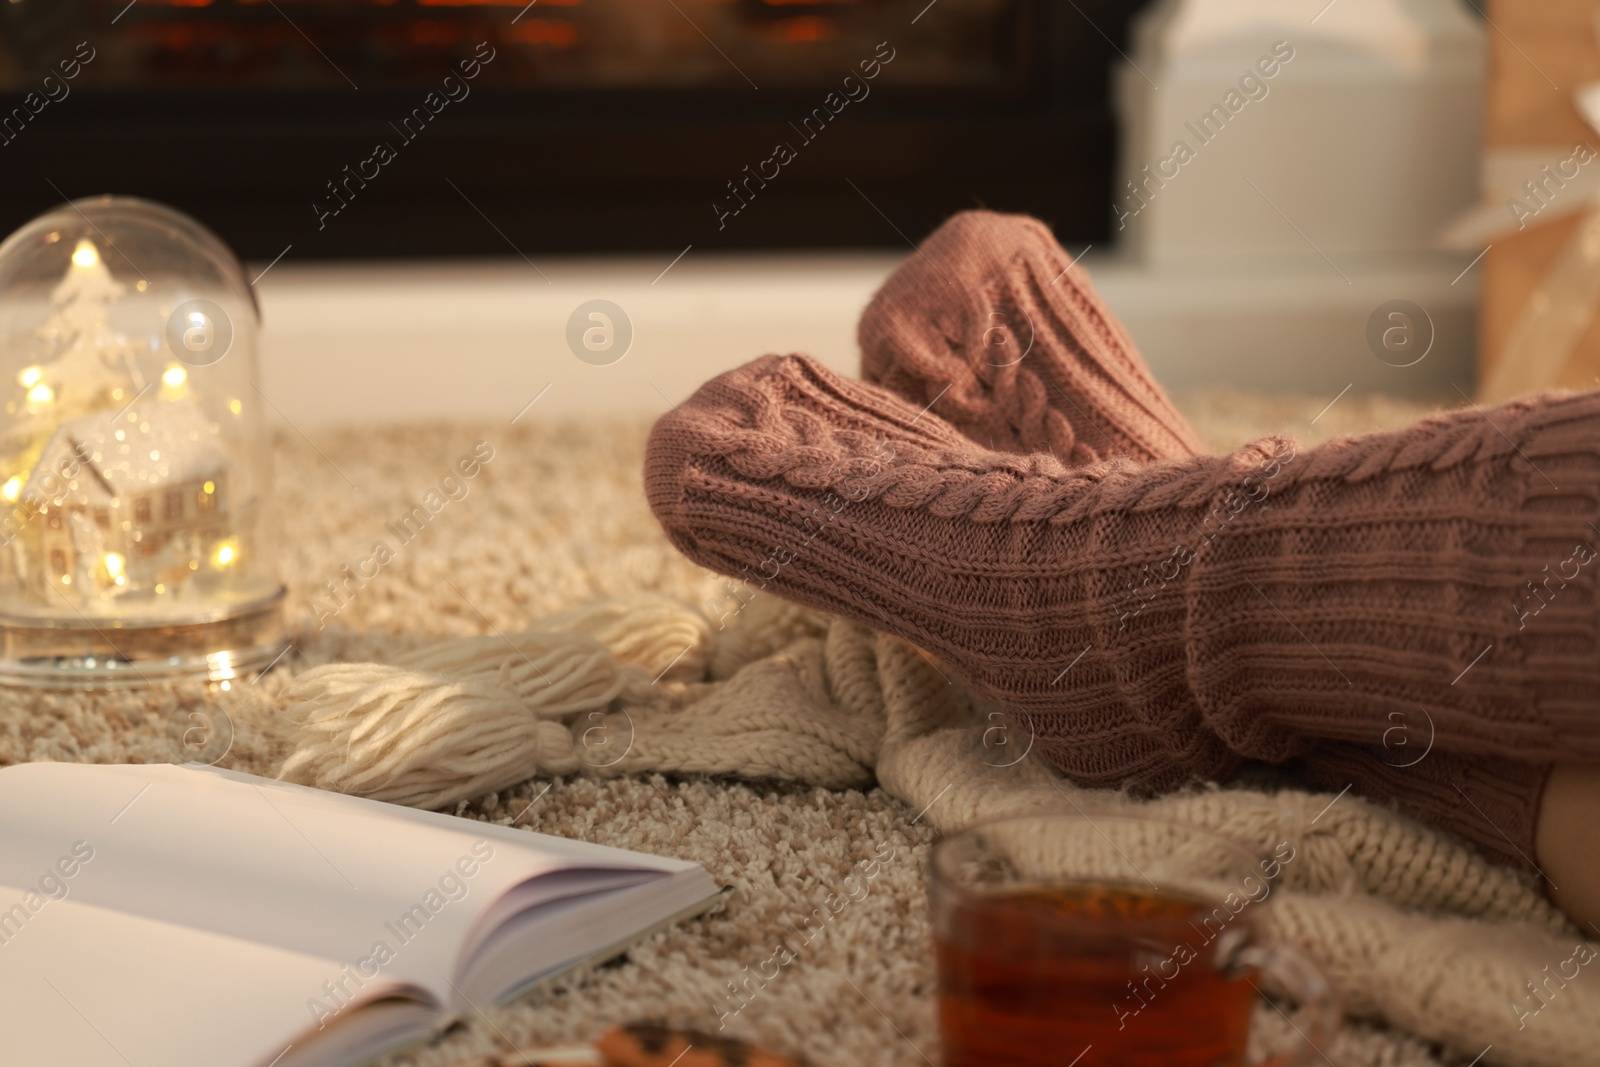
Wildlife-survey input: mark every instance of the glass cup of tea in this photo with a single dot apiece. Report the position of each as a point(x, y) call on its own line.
point(1111, 941)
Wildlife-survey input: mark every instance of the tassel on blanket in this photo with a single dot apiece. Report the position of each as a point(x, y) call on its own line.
point(476, 714)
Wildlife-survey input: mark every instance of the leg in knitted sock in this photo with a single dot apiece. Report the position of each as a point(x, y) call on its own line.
point(914, 342)
point(1165, 620)
point(992, 325)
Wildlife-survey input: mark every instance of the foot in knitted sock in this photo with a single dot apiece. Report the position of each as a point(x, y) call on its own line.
point(1164, 620)
point(992, 325)
point(912, 343)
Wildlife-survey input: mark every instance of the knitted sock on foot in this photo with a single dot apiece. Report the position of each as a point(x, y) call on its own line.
point(991, 324)
point(915, 343)
point(1163, 620)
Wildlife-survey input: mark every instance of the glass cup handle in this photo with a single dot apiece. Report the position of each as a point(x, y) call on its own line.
point(1319, 1015)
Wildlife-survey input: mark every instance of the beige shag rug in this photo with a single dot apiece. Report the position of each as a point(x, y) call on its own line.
point(555, 518)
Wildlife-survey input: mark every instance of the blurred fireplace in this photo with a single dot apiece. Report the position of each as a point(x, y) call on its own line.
point(586, 126)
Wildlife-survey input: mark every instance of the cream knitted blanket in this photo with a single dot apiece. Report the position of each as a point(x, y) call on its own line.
point(1411, 928)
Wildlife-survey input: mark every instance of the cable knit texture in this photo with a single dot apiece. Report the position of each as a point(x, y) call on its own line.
point(995, 326)
point(1172, 619)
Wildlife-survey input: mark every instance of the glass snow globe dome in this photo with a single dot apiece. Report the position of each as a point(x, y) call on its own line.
point(136, 529)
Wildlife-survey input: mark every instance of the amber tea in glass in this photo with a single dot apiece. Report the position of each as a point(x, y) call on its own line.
point(1116, 942)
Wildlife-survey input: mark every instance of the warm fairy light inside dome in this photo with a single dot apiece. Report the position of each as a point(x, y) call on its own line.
point(137, 502)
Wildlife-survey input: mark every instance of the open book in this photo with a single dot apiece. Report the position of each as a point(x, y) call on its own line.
point(188, 915)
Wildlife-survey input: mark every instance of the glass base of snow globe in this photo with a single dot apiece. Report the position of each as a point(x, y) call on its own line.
point(108, 653)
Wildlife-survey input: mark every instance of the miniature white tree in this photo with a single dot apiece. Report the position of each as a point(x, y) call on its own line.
point(94, 360)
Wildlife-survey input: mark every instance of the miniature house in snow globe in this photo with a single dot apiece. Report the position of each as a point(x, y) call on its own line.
point(136, 539)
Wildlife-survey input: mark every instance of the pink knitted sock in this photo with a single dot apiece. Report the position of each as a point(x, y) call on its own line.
point(992, 325)
point(942, 329)
point(1164, 620)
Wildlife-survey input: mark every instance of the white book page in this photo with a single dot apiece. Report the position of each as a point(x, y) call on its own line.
point(390, 893)
point(550, 937)
point(83, 986)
